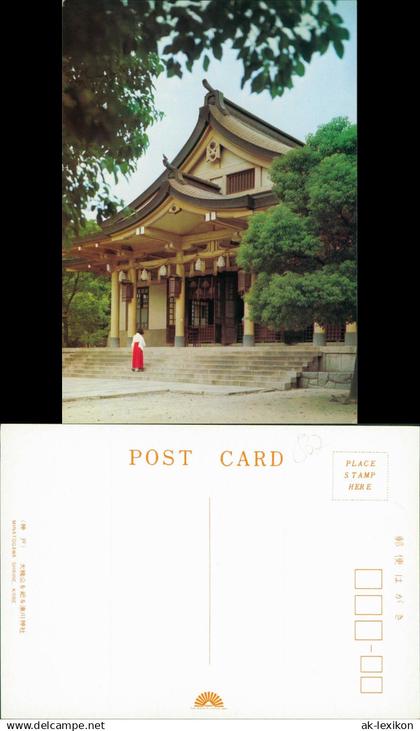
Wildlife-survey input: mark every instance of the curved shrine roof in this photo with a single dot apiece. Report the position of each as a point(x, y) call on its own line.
point(235, 123)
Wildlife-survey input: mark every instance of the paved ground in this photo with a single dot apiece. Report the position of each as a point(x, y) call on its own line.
point(95, 401)
point(82, 388)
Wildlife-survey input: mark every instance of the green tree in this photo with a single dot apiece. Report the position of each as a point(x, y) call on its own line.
point(113, 50)
point(304, 249)
point(86, 304)
point(108, 104)
point(86, 309)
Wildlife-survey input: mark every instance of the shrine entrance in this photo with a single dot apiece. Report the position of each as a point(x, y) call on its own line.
point(214, 310)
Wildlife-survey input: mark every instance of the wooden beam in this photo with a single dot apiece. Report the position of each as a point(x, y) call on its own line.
point(189, 239)
point(232, 223)
point(147, 263)
point(186, 258)
point(180, 242)
point(156, 233)
point(213, 254)
point(144, 263)
point(151, 254)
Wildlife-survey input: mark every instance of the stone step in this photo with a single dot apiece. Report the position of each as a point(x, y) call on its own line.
point(276, 367)
point(190, 358)
point(243, 363)
point(259, 347)
point(255, 383)
point(197, 375)
point(198, 359)
point(175, 368)
point(269, 385)
point(170, 372)
point(193, 365)
point(187, 352)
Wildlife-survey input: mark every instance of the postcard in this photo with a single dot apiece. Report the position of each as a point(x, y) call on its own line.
point(208, 572)
point(210, 213)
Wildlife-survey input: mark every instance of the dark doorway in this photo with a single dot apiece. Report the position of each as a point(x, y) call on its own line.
point(232, 308)
point(200, 310)
point(214, 309)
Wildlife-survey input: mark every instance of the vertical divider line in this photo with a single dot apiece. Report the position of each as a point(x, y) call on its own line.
point(209, 587)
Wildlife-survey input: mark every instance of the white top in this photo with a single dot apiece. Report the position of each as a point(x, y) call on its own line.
point(140, 340)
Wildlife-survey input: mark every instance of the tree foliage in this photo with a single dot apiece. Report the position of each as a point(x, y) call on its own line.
point(273, 39)
point(304, 249)
point(113, 50)
point(108, 104)
point(86, 309)
point(86, 305)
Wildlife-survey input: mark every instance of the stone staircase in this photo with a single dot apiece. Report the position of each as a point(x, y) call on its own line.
point(274, 366)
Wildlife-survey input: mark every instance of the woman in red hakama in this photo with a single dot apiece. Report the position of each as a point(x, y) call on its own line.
point(137, 347)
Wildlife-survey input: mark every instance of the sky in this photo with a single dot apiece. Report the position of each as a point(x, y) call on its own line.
point(327, 90)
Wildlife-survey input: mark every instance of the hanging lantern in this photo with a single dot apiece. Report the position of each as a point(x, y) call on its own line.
point(144, 276)
point(199, 265)
point(122, 276)
point(162, 271)
point(221, 262)
point(205, 289)
point(108, 267)
point(127, 291)
point(175, 286)
point(244, 281)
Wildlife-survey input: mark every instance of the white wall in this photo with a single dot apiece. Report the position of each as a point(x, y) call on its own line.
point(157, 306)
point(266, 180)
point(123, 312)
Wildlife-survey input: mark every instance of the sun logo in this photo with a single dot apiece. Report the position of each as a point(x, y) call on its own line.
point(204, 700)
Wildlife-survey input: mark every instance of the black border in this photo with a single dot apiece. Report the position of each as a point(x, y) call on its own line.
point(386, 265)
point(31, 291)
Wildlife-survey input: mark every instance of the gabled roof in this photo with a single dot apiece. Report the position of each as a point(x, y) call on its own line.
point(190, 189)
point(259, 124)
point(233, 121)
point(238, 125)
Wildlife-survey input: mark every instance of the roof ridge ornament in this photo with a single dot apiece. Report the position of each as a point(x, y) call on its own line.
point(174, 172)
point(214, 96)
point(207, 85)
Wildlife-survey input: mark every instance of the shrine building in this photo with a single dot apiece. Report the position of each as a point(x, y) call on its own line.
point(171, 254)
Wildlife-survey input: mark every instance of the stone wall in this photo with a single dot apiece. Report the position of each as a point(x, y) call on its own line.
point(333, 369)
point(337, 357)
point(319, 379)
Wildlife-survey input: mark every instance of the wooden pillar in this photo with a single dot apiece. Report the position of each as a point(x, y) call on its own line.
point(319, 336)
point(351, 333)
point(132, 307)
point(180, 310)
point(114, 335)
point(248, 336)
